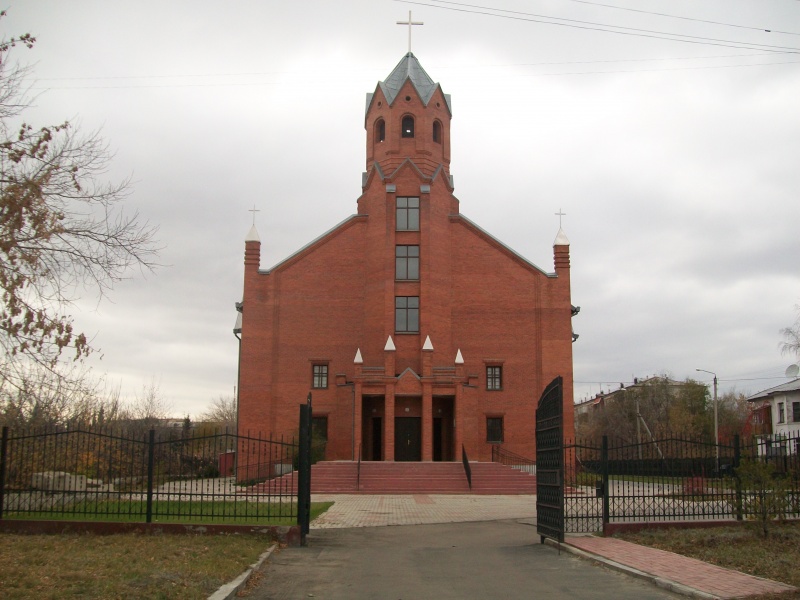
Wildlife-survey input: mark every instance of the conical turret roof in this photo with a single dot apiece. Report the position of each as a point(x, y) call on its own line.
point(409, 69)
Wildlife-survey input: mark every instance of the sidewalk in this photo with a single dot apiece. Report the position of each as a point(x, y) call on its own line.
point(686, 576)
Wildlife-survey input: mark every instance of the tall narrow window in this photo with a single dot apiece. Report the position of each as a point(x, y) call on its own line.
point(494, 378)
point(781, 413)
point(408, 126)
point(380, 130)
point(406, 314)
point(406, 262)
point(437, 132)
point(796, 412)
point(319, 376)
point(407, 214)
point(494, 430)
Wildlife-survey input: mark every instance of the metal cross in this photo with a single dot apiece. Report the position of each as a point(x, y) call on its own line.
point(410, 23)
point(560, 214)
point(254, 210)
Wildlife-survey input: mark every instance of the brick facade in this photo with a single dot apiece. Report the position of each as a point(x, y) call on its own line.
point(333, 304)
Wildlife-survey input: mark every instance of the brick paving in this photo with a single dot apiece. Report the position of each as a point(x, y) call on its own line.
point(361, 510)
point(715, 581)
point(679, 573)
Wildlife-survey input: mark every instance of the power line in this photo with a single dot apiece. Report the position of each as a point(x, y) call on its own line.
point(437, 67)
point(269, 83)
point(648, 12)
point(591, 26)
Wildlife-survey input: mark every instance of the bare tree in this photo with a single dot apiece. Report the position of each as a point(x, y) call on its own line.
point(791, 345)
point(222, 413)
point(71, 397)
point(149, 406)
point(62, 231)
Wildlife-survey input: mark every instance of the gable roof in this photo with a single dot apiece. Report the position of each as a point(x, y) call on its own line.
point(460, 218)
point(792, 386)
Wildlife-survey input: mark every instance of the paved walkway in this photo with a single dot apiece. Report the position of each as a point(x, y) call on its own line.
point(357, 510)
point(671, 571)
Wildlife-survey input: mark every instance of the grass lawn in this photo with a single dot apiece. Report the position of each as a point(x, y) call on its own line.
point(125, 511)
point(741, 548)
point(174, 567)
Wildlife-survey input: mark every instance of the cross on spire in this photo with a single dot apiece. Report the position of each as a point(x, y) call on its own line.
point(560, 214)
point(253, 210)
point(410, 23)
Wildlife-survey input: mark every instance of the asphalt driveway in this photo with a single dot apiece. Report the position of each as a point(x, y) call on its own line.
point(490, 559)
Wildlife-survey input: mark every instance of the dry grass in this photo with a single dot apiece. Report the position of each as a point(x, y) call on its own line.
point(741, 548)
point(123, 566)
point(174, 567)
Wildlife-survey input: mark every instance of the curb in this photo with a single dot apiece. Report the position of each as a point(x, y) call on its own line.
point(667, 584)
point(229, 590)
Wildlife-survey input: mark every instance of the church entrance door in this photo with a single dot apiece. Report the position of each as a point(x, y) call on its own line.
point(407, 439)
point(377, 438)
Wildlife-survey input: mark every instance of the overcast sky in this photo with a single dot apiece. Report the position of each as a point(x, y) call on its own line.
point(677, 163)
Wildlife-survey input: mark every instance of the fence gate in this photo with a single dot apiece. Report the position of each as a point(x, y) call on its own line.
point(550, 463)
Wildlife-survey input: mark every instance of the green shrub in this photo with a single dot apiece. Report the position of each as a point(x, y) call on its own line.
point(765, 496)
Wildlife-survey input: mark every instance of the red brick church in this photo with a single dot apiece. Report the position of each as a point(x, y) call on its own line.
point(414, 329)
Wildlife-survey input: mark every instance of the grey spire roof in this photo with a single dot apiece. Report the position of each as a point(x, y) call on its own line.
point(409, 68)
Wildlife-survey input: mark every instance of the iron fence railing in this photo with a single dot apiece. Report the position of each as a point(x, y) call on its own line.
point(130, 475)
point(672, 479)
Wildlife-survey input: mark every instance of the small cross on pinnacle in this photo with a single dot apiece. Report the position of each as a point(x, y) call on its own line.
point(410, 23)
point(560, 214)
point(253, 210)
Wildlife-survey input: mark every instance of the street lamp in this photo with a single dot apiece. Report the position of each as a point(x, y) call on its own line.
point(716, 416)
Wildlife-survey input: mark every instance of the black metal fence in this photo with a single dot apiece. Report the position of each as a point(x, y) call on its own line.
point(675, 480)
point(150, 476)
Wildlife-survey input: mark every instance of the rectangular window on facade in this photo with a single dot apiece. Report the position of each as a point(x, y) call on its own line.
point(494, 378)
point(796, 412)
point(406, 262)
point(494, 430)
point(407, 214)
point(406, 314)
point(319, 377)
point(781, 413)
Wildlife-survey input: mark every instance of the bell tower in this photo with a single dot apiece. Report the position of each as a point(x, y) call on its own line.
point(408, 119)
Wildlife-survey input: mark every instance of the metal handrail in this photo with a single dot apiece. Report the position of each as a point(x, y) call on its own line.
point(358, 470)
point(467, 469)
point(511, 459)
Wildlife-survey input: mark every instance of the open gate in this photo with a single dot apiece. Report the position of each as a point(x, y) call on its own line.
point(550, 462)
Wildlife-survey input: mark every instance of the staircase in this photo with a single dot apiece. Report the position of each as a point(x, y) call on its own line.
point(341, 477)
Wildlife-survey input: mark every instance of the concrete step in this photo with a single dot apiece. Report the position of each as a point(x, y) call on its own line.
point(341, 477)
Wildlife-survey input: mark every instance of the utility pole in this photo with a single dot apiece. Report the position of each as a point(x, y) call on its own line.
point(716, 418)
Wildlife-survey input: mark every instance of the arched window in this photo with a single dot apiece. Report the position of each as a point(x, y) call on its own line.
point(408, 126)
point(380, 130)
point(437, 132)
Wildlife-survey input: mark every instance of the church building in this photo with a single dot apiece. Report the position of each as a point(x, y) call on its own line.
point(416, 332)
